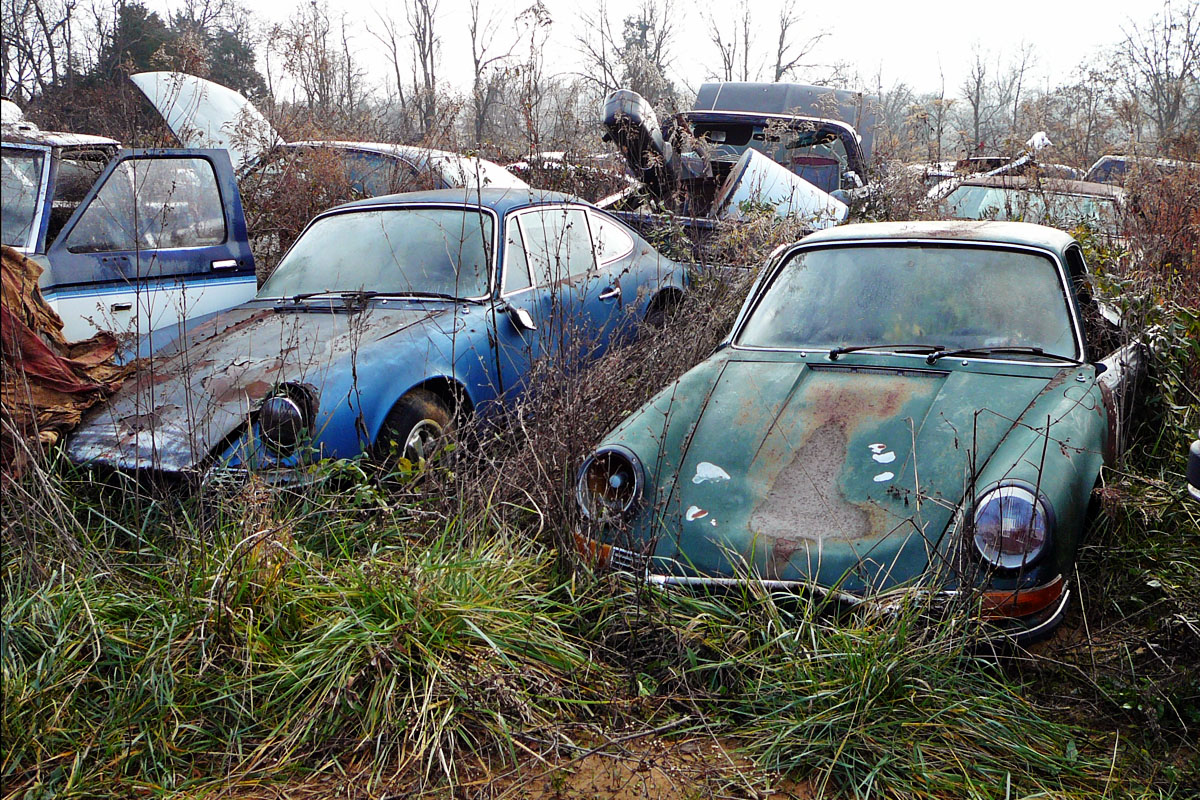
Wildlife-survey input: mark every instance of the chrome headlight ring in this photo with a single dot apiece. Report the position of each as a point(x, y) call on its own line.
point(1012, 525)
point(610, 483)
point(286, 417)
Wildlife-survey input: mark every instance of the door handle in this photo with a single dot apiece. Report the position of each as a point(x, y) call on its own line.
point(610, 293)
point(225, 263)
point(121, 307)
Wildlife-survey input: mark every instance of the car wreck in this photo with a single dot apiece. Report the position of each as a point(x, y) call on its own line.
point(899, 408)
point(801, 151)
point(390, 321)
point(130, 241)
point(1046, 201)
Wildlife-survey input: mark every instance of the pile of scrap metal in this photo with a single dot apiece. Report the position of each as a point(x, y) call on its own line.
point(47, 382)
point(744, 149)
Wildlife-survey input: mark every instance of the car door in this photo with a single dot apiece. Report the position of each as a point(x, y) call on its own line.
point(159, 239)
point(517, 336)
point(623, 279)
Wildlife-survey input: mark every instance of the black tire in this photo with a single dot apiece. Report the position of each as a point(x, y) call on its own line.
point(413, 427)
point(662, 307)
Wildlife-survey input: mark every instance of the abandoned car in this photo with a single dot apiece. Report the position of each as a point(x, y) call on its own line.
point(899, 407)
point(802, 151)
point(388, 321)
point(129, 241)
point(1045, 201)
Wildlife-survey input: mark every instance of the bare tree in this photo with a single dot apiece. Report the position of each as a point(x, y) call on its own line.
point(422, 16)
point(790, 52)
point(36, 45)
point(1160, 66)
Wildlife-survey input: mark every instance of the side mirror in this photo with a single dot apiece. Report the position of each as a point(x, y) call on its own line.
point(521, 319)
point(851, 178)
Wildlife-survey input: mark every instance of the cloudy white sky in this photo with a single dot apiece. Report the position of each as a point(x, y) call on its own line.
point(913, 42)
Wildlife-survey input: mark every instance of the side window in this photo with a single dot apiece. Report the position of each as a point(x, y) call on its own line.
point(152, 203)
point(374, 174)
point(76, 174)
point(516, 266)
point(611, 240)
point(20, 187)
point(558, 245)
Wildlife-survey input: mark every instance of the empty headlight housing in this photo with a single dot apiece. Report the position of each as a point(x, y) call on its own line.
point(1013, 525)
point(610, 483)
point(286, 416)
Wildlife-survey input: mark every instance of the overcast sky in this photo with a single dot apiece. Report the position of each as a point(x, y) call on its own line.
point(915, 43)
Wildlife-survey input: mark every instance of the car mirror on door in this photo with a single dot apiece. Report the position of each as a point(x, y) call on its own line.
point(521, 319)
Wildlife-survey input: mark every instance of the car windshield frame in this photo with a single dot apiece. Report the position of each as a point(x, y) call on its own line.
point(753, 304)
point(403, 206)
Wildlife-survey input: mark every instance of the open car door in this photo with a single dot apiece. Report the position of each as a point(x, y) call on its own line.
point(159, 239)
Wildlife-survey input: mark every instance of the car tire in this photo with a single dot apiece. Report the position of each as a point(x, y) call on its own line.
point(662, 307)
point(413, 428)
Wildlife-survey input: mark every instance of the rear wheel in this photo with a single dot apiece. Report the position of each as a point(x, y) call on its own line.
point(414, 429)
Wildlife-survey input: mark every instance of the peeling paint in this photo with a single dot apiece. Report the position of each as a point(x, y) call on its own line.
point(707, 472)
point(883, 477)
point(695, 513)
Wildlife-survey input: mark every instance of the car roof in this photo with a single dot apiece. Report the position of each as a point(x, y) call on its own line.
point(30, 134)
point(1059, 185)
point(501, 200)
point(986, 231)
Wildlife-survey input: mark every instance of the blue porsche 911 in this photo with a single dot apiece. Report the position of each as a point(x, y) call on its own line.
point(388, 320)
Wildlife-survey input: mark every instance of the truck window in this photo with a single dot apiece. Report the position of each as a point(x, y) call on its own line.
point(20, 184)
point(150, 204)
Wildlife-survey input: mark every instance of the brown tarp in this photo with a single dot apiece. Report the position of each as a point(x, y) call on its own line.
point(47, 382)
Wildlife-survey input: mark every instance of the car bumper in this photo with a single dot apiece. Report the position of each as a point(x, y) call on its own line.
point(1022, 615)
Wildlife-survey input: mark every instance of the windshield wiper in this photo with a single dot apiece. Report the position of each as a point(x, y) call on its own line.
point(914, 348)
point(1013, 349)
point(430, 296)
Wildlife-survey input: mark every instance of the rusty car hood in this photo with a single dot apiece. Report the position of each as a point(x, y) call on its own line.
point(195, 394)
point(843, 474)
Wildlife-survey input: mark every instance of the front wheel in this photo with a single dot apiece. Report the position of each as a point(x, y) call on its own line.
point(415, 428)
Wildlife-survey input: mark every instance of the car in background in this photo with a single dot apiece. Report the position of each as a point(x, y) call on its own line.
point(1045, 201)
point(900, 408)
point(288, 183)
point(130, 241)
point(1116, 169)
point(389, 321)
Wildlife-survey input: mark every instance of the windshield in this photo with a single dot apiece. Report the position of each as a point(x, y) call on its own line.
point(808, 149)
point(1042, 207)
point(952, 296)
point(20, 182)
point(390, 251)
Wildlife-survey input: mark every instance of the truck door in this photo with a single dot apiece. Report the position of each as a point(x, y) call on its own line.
point(159, 239)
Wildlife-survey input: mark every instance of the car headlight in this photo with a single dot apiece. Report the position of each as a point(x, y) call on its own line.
point(286, 416)
point(1013, 526)
point(610, 483)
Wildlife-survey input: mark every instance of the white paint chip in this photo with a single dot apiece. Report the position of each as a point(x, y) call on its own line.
point(713, 522)
point(885, 458)
point(707, 472)
point(884, 476)
point(878, 447)
point(695, 512)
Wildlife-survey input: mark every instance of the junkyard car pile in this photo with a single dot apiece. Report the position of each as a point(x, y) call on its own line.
point(899, 408)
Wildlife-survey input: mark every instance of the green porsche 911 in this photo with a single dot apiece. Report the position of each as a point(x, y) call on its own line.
point(899, 407)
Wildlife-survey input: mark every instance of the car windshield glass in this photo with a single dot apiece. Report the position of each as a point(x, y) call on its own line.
point(814, 153)
point(953, 296)
point(20, 181)
point(1042, 207)
point(390, 251)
